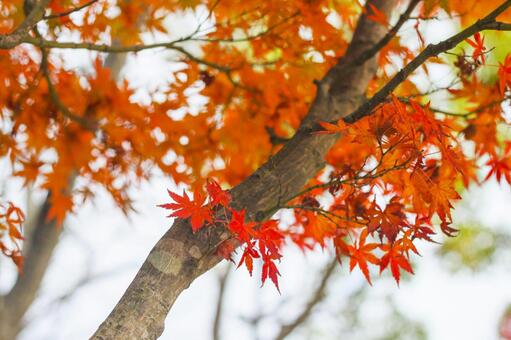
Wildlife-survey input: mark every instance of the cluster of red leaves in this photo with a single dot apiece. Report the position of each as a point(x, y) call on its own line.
point(258, 240)
point(129, 139)
point(11, 222)
point(396, 256)
point(391, 177)
point(402, 154)
point(393, 173)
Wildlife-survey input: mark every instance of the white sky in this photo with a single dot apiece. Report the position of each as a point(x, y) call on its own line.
point(99, 240)
point(452, 306)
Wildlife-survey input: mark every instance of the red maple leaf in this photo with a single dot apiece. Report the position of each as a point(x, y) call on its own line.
point(421, 229)
point(185, 208)
point(248, 258)
point(270, 236)
point(226, 248)
point(479, 48)
point(500, 168)
point(394, 256)
point(270, 270)
point(377, 16)
point(505, 74)
point(217, 195)
point(244, 231)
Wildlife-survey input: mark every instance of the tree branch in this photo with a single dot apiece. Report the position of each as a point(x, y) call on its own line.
point(371, 52)
point(180, 256)
point(222, 284)
point(41, 238)
point(56, 98)
point(172, 45)
point(487, 23)
point(316, 297)
point(13, 39)
point(70, 11)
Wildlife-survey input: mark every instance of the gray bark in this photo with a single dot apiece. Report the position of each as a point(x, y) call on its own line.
point(181, 256)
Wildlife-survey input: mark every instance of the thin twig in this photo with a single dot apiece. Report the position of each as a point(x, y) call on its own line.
point(465, 115)
point(371, 52)
point(325, 213)
point(488, 23)
point(70, 11)
point(56, 98)
point(249, 37)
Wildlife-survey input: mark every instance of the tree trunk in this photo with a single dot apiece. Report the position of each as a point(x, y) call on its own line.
point(41, 239)
point(180, 256)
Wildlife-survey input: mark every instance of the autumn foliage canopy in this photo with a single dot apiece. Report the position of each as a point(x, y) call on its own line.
point(389, 182)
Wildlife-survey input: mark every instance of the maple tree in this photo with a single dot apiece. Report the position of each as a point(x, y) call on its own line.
point(310, 106)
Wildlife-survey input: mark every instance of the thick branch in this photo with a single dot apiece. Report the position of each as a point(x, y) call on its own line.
point(180, 256)
point(487, 23)
point(371, 52)
point(43, 240)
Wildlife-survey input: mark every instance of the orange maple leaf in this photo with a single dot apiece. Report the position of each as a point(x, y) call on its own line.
point(394, 256)
point(361, 254)
point(61, 204)
point(330, 128)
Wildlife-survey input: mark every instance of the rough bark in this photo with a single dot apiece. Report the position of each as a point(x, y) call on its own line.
point(180, 256)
